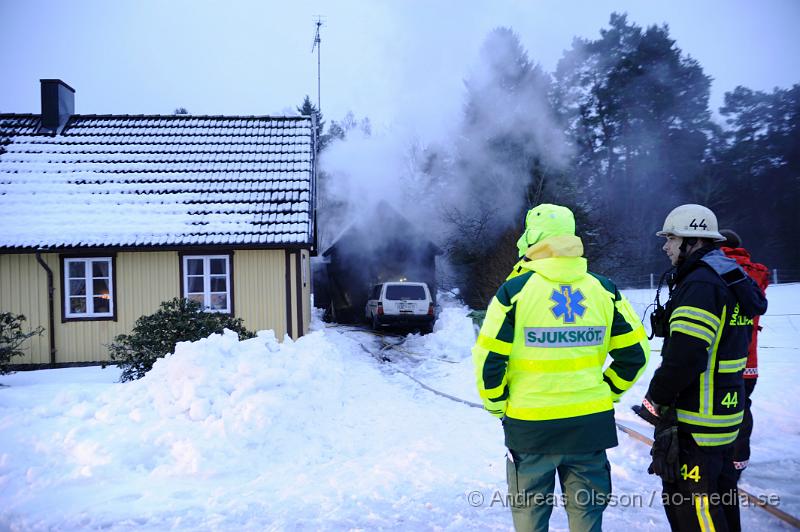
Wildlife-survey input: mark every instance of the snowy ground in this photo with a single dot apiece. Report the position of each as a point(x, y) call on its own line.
point(318, 435)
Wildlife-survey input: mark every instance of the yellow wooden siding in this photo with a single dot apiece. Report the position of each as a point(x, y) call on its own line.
point(143, 281)
point(259, 285)
point(23, 290)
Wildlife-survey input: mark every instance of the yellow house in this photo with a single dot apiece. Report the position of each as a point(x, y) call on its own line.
point(102, 218)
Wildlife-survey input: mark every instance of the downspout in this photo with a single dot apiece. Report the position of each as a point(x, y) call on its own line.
point(50, 308)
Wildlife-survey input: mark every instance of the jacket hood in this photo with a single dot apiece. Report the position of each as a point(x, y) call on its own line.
point(557, 258)
point(747, 292)
point(756, 270)
point(738, 254)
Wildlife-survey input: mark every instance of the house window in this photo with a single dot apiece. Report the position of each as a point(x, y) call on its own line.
point(88, 290)
point(207, 280)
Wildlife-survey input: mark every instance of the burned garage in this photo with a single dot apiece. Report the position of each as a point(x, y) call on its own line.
point(379, 247)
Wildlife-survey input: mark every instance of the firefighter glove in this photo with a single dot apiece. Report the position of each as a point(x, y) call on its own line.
point(648, 410)
point(665, 447)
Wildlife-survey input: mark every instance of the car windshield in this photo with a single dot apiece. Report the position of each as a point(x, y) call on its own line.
point(405, 291)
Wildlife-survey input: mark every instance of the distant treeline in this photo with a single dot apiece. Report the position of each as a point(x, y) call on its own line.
point(634, 114)
point(621, 132)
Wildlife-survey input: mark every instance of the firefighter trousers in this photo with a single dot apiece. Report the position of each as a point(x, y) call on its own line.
point(705, 497)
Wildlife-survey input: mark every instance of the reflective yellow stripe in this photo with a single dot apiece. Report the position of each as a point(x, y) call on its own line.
point(627, 339)
point(493, 344)
point(718, 420)
point(713, 439)
point(623, 306)
point(616, 380)
point(514, 298)
point(693, 325)
point(542, 413)
point(556, 366)
point(707, 380)
point(732, 366)
point(697, 314)
point(493, 393)
point(692, 330)
point(495, 315)
point(703, 514)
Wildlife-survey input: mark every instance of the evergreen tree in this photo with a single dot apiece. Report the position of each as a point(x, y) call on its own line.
point(760, 160)
point(308, 109)
point(340, 130)
point(636, 109)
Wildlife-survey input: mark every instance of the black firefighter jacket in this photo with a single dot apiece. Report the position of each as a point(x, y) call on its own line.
point(710, 312)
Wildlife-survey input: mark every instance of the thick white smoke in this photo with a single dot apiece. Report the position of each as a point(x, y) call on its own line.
point(426, 171)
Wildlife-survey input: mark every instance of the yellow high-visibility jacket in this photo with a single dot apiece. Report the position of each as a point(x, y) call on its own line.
point(540, 353)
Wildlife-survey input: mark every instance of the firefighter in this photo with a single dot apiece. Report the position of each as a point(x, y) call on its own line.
point(539, 362)
point(732, 247)
point(696, 397)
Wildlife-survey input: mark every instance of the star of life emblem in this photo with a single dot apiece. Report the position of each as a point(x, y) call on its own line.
point(568, 304)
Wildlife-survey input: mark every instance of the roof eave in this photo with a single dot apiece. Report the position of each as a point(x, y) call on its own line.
point(7, 250)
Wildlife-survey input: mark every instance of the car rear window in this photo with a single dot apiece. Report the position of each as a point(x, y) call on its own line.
point(405, 291)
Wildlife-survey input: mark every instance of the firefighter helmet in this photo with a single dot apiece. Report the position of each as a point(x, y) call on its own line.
point(691, 221)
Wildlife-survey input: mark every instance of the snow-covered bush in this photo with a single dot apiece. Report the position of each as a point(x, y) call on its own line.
point(12, 337)
point(155, 336)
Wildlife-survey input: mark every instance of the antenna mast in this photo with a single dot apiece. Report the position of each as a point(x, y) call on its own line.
point(318, 45)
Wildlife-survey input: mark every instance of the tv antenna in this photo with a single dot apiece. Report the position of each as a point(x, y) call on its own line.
point(319, 21)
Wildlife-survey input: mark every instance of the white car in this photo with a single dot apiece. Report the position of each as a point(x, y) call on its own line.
point(402, 304)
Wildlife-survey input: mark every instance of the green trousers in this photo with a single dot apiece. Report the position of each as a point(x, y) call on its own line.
point(585, 486)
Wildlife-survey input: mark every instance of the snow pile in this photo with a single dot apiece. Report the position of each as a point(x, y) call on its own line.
point(447, 354)
point(235, 391)
point(240, 435)
point(230, 391)
point(454, 335)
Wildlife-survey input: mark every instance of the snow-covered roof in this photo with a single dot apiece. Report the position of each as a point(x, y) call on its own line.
point(147, 181)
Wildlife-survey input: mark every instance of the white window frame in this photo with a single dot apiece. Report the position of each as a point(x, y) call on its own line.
point(89, 294)
point(207, 281)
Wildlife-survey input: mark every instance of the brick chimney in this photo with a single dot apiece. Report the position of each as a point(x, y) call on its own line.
point(58, 104)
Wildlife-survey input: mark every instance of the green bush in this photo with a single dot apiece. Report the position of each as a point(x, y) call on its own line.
point(155, 336)
point(12, 337)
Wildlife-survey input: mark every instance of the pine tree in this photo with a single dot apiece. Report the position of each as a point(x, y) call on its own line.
point(309, 109)
point(760, 163)
point(637, 114)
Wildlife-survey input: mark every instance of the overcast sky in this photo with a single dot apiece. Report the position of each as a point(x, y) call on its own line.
point(389, 60)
